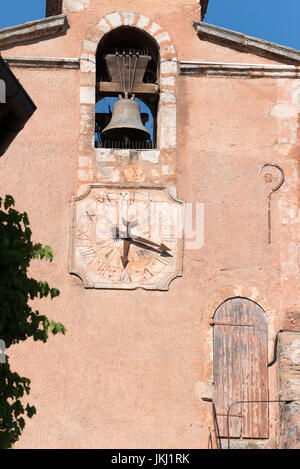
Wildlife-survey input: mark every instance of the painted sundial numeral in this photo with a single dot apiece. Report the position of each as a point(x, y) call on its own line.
point(111, 254)
point(109, 200)
point(124, 196)
point(89, 254)
point(132, 198)
point(103, 267)
point(147, 273)
point(125, 277)
point(108, 254)
point(82, 235)
point(161, 259)
point(91, 216)
point(104, 199)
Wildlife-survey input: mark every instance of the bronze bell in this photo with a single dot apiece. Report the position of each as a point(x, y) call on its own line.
point(126, 123)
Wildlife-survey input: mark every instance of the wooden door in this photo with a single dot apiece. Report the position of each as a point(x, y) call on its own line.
point(240, 368)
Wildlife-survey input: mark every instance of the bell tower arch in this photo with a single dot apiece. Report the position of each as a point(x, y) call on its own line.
point(115, 165)
point(127, 69)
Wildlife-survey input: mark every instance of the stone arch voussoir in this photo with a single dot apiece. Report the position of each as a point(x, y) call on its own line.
point(116, 19)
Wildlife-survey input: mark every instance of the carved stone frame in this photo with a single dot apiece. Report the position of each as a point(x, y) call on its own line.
point(162, 285)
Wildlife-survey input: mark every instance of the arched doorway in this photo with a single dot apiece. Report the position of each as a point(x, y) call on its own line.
point(240, 368)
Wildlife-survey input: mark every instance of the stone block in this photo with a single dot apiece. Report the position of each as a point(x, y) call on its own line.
point(83, 161)
point(75, 5)
point(104, 155)
point(153, 29)
point(155, 176)
point(150, 155)
point(169, 67)
point(167, 81)
point(168, 169)
point(87, 79)
point(85, 175)
point(122, 155)
point(103, 26)
point(94, 34)
point(115, 19)
point(167, 156)
point(163, 37)
point(87, 121)
point(88, 63)
point(90, 46)
point(168, 137)
point(143, 21)
point(134, 174)
point(86, 143)
point(108, 174)
point(167, 116)
point(129, 18)
point(167, 96)
point(134, 155)
point(167, 50)
point(87, 95)
point(87, 112)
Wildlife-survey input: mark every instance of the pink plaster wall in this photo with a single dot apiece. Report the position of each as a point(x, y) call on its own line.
point(133, 366)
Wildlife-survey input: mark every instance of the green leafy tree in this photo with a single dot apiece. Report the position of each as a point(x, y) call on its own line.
point(18, 321)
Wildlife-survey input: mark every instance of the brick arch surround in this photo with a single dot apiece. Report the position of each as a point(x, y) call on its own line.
point(130, 167)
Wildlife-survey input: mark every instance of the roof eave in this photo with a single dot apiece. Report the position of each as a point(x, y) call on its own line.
point(252, 44)
point(33, 30)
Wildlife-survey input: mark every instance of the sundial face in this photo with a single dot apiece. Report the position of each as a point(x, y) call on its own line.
point(127, 238)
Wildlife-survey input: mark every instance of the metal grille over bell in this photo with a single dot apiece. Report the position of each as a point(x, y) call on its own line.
point(126, 123)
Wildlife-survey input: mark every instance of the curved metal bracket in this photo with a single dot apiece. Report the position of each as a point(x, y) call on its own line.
point(274, 165)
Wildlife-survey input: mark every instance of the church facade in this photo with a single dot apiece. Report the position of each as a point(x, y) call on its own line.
point(162, 167)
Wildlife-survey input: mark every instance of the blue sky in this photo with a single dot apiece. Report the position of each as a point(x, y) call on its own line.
point(273, 20)
point(15, 12)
